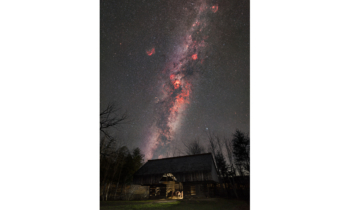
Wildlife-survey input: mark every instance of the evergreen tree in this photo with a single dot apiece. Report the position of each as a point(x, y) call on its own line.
point(241, 152)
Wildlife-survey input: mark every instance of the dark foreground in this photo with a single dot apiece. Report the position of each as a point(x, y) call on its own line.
point(205, 204)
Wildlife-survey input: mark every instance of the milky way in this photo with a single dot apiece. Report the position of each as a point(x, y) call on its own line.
point(177, 78)
point(180, 68)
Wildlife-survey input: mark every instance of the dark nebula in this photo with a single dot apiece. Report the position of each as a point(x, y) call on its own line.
point(180, 69)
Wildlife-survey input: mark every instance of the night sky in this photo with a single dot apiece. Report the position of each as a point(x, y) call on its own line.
point(179, 68)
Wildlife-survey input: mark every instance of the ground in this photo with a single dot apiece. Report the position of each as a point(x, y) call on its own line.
point(200, 204)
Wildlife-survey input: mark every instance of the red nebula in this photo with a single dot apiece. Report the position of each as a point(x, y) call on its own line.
point(194, 56)
point(214, 8)
point(150, 52)
point(196, 23)
point(176, 84)
point(172, 76)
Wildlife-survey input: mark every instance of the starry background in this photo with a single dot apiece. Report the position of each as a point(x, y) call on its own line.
point(219, 100)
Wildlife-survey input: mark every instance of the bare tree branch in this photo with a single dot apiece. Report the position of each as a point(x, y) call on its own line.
point(112, 116)
point(194, 147)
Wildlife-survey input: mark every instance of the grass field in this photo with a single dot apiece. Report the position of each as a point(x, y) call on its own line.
point(204, 204)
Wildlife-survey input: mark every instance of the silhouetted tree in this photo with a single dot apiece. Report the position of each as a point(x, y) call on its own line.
point(221, 164)
point(241, 152)
point(225, 169)
point(232, 159)
point(212, 144)
point(117, 163)
point(121, 166)
point(110, 118)
point(194, 147)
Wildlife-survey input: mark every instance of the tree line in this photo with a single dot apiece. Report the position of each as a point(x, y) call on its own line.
point(232, 159)
point(117, 162)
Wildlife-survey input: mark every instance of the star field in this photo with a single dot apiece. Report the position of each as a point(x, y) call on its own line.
point(137, 43)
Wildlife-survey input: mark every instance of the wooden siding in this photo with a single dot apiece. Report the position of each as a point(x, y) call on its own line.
point(147, 179)
point(157, 191)
point(198, 190)
point(200, 176)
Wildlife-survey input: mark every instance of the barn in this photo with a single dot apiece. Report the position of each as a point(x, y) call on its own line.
point(179, 177)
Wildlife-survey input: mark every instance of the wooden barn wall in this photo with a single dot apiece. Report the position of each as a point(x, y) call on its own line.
point(214, 174)
point(157, 191)
point(199, 190)
point(147, 179)
point(199, 176)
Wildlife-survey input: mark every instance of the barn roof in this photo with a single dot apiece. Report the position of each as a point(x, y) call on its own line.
point(180, 165)
point(189, 163)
